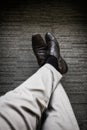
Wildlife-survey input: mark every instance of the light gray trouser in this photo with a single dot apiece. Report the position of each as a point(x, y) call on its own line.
point(21, 109)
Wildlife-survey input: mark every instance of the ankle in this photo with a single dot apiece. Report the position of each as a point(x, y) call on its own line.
point(52, 60)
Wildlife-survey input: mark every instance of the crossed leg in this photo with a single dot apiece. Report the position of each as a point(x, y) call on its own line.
point(60, 114)
point(22, 108)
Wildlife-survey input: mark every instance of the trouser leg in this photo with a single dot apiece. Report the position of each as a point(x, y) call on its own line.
point(22, 107)
point(60, 115)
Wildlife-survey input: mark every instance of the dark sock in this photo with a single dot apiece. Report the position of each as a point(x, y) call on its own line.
point(53, 61)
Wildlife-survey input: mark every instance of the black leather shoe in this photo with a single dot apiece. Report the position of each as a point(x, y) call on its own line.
point(54, 50)
point(52, 44)
point(39, 48)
